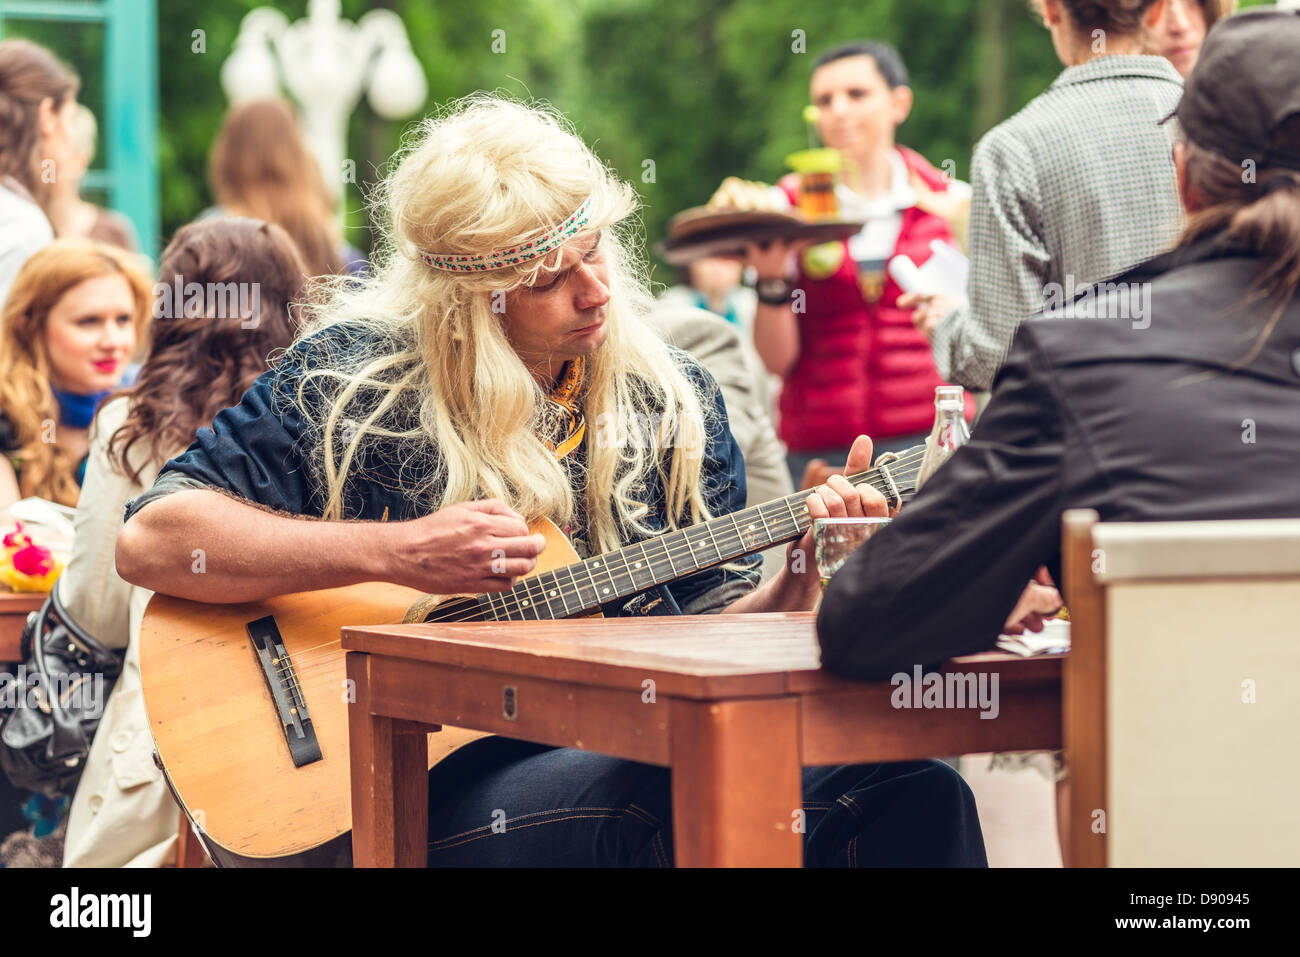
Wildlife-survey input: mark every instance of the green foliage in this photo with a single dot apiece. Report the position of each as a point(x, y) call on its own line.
point(702, 88)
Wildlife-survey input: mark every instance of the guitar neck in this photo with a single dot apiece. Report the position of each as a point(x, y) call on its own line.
point(584, 586)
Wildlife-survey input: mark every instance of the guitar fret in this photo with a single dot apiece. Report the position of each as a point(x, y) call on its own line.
point(793, 516)
point(526, 610)
point(532, 598)
point(560, 587)
point(649, 565)
point(541, 592)
point(686, 537)
point(577, 590)
point(708, 527)
point(493, 598)
point(596, 563)
point(635, 573)
point(611, 571)
point(553, 592)
point(633, 584)
point(668, 555)
point(591, 575)
point(740, 536)
point(766, 531)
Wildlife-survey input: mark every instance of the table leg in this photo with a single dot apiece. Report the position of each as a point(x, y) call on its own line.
point(390, 784)
point(737, 791)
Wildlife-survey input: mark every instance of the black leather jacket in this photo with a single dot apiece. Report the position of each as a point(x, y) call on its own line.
point(1143, 416)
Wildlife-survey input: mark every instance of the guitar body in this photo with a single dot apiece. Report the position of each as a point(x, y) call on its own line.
point(215, 725)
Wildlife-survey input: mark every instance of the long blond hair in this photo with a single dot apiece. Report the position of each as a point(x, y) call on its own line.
point(26, 399)
point(434, 369)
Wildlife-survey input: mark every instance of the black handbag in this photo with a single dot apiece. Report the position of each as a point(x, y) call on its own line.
point(49, 711)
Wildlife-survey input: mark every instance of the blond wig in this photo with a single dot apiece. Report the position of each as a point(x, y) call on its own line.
point(434, 381)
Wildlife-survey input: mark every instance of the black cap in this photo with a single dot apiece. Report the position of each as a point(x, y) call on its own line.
point(1245, 87)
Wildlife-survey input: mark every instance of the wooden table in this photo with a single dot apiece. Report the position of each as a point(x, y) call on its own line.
point(734, 704)
point(13, 615)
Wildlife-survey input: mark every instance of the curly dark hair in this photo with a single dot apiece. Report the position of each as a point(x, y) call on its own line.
point(200, 363)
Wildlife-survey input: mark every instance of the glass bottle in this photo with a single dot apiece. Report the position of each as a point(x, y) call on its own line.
point(950, 430)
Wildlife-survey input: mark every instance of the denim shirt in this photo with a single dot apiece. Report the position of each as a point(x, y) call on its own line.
point(256, 451)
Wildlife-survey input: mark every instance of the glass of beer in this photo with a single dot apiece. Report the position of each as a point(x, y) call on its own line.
point(835, 539)
point(819, 170)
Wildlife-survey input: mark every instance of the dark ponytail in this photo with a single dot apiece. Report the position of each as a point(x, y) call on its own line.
point(1261, 212)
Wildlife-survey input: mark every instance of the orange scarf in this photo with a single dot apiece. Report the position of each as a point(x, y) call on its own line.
point(567, 394)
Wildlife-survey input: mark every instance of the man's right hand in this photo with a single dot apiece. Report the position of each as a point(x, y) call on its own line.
point(1039, 602)
point(771, 258)
point(462, 549)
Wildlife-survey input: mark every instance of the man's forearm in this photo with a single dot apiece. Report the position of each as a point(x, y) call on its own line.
point(207, 546)
point(776, 338)
point(786, 591)
point(962, 356)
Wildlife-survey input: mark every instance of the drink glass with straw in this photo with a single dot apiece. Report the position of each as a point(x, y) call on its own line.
point(818, 171)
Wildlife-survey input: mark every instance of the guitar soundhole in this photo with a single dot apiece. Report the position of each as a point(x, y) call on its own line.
point(456, 609)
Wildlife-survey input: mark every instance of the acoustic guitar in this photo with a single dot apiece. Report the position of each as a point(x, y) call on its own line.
point(248, 703)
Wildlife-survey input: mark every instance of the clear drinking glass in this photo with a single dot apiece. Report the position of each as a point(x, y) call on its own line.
point(835, 539)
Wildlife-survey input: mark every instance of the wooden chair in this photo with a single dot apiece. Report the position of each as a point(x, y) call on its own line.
point(189, 849)
point(1179, 701)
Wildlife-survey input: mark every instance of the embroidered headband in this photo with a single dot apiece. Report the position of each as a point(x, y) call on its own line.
point(543, 244)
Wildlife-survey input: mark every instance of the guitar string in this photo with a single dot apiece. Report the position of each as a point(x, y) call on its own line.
point(308, 663)
point(510, 605)
point(302, 663)
point(514, 604)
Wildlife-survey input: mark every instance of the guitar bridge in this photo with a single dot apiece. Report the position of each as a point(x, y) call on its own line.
point(286, 694)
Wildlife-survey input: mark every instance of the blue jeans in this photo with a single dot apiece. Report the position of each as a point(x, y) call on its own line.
point(504, 803)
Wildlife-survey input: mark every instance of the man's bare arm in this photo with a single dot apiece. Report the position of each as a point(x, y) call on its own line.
point(208, 546)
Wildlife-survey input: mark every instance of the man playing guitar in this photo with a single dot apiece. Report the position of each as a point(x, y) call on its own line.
point(495, 370)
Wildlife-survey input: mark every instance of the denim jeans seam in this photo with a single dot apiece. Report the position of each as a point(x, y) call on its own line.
point(661, 853)
point(641, 814)
point(441, 844)
point(851, 805)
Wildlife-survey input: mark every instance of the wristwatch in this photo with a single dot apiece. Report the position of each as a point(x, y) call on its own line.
point(774, 292)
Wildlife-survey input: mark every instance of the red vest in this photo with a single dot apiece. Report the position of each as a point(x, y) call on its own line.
point(863, 367)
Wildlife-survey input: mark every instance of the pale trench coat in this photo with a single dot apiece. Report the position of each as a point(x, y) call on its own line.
point(123, 814)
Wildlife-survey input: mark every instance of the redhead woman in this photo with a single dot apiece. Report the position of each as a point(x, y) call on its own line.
point(68, 328)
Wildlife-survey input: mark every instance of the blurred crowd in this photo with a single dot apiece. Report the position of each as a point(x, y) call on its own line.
point(103, 378)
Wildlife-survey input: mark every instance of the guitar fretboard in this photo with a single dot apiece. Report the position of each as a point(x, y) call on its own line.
point(586, 585)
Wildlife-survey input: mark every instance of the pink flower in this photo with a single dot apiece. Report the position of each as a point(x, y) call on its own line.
point(17, 538)
point(34, 560)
